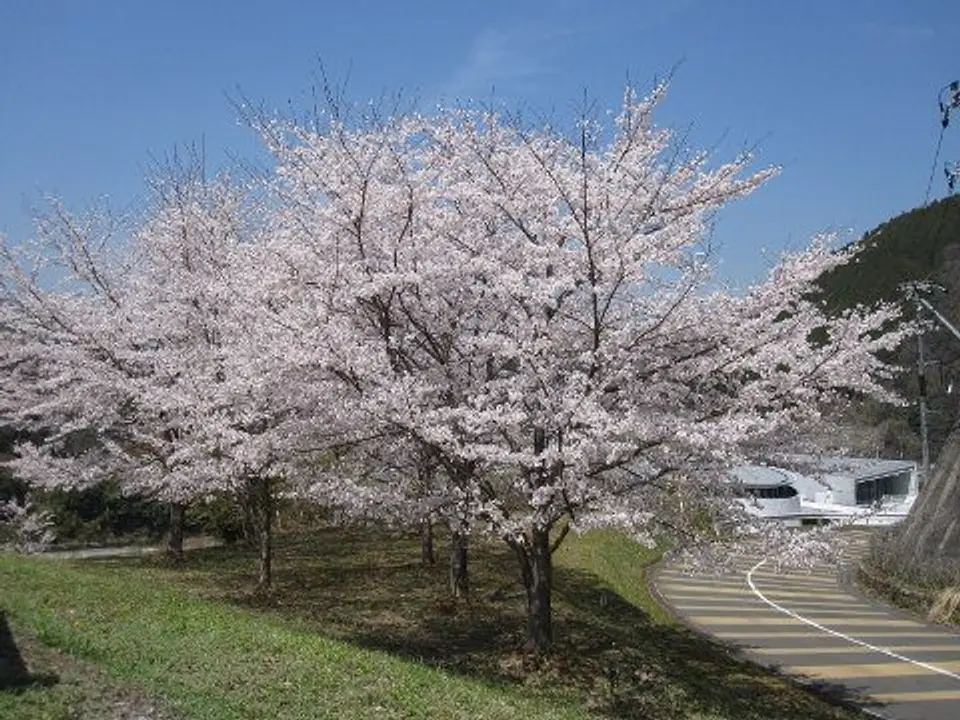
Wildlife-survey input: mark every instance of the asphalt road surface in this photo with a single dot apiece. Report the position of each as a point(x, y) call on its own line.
point(93, 553)
point(819, 628)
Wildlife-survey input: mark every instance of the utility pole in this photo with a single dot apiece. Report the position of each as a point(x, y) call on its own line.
point(914, 291)
point(948, 100)
point(924, 423)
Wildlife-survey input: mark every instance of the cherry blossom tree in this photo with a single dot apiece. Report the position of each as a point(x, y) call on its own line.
point(512, 328)
point(247, 406)
point(68, 361)
point(232, 416)
point(538, 311)
point(159, 358)
point(129, 347)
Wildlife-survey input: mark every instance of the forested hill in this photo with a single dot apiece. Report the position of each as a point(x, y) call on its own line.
point(923, 244)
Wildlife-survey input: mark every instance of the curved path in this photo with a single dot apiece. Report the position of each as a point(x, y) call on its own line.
point(112, 551)
point(816, 626)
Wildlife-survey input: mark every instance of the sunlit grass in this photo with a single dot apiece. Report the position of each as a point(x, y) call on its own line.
point(355, 627)
point(620, 564)
point(210, 660)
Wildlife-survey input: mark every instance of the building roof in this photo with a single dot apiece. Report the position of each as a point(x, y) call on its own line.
point(760, 476)
point(852, 468)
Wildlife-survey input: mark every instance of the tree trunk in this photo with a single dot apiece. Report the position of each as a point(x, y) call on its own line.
point(266, 534)
point(175, 540)
point(459, 573)
point(248, 502)
point(536, 568)
point(427, 555)
point(13, 670)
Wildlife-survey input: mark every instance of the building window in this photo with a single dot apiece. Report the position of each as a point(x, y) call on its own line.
point(780, 492)
point(872, 491)
point(868, 492)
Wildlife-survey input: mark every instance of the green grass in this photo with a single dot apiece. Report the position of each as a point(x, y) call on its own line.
point(356, 628)
point(620, 565)
point(214, 661)
point(61, 687)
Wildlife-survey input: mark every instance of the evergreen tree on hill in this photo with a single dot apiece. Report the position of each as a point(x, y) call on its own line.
point(922, 245)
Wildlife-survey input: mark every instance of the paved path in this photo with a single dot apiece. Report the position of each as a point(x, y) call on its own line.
point(191, 543)
point(817, 626)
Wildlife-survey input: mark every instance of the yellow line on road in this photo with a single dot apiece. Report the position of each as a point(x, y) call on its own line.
point(721, 608)
point(833, 606)
point(849, 648)
point(667, 589)
point(798, 595)
point(919, 696)
point(833, 609)
point(753, 619)
point(885, 669)
point(701, 582)
point(815, 612)
point(801, 585)
point(733, 635)
point(740, 602)
point(813, 578)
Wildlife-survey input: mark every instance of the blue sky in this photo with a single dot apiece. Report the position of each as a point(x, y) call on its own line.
point(841, 93)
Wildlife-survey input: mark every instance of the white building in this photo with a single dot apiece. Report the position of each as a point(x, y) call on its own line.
point(770, 493)
point(862, 490)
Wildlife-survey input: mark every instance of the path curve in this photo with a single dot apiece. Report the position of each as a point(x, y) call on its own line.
point(819, 628)
point(92, 553)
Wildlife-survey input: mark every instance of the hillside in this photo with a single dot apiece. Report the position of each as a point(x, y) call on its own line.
point(919, 558)
point(923, 244)
point(920, 245)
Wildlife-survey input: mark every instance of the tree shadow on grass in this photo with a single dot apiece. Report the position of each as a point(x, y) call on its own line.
point(366, 587)
point(14, 674)
point(611, 638)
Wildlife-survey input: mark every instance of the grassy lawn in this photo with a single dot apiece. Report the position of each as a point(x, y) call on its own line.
point(62, 687)
point(355, 628)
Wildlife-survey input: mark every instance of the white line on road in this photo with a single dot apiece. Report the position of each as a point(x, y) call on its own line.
point(828, 631)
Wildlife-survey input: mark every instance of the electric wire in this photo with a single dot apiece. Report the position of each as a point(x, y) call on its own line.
point(934, 238)
point(933, 168)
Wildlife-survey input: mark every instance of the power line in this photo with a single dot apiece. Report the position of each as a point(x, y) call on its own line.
point(933, 167)
point(949, 100)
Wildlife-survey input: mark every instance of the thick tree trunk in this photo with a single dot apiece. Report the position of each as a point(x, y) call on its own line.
point(13, 670)
point(427, 555)
point(248, 503)
point(265, 578)
point(175, 539)
point(536, 569)
point(459, 572)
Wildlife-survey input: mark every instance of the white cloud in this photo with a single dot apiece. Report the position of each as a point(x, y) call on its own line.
point(504, 63)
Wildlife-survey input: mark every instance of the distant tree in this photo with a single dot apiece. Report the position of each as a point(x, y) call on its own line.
point(123, 349)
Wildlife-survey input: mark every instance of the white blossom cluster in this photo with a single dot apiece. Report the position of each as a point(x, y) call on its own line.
point(27, 530)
